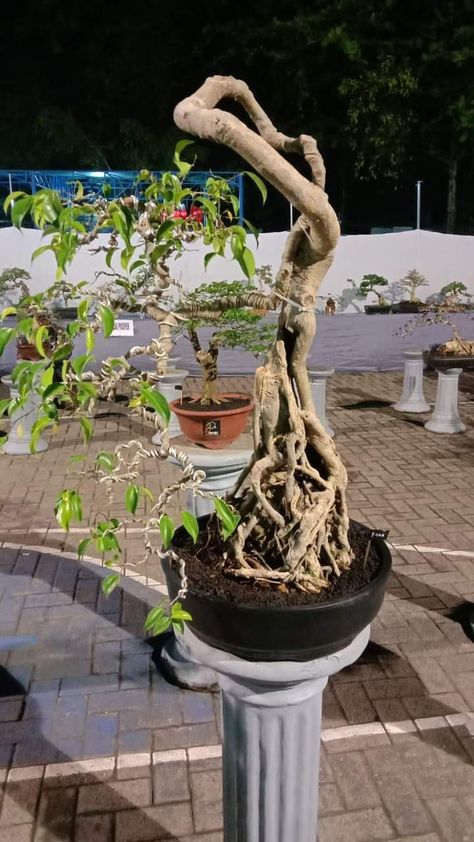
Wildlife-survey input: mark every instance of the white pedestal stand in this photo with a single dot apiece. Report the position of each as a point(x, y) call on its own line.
point(170, 386)
point(18, 443)
point(412, 398)
point(271, 743)
point(318, 378)
point(222, 469)
point(445, 418)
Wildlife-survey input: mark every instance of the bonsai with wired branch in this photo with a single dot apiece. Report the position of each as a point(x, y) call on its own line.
point(286, 522)
point(235, 327)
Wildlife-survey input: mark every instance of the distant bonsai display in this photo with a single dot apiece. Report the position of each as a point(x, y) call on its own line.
point(14, 280)
point(412, 281)
point(369, 283)
point(235, 327)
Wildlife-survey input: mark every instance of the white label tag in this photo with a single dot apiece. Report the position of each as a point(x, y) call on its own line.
point(123, 327)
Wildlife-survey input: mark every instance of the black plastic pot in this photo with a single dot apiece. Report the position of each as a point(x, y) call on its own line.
point(406, 307)
point(292, 633)
point(373, 309)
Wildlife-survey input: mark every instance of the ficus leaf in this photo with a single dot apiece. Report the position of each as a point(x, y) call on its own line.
point(166, 530)
point(229, 519)
point(108, 321)
point(259, 183)
point(86, 426)
point(110, 583)
point(131, 498)
point(190, 524)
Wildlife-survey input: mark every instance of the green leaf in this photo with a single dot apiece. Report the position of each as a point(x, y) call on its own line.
point(190, 524)
point(228, 518)
point(4, 404)
point(12, 197)
point(110, 583)
point(20, 209)
point(6, 333)
point(87, 428)
point(8, 311)
point(77, 458)
point(247, 263)
point(166, 530)
point(157, 402)
point(208, 257)
point(76, 505)
point(36, 430)
point(105, 460)
point(82, 547)
point(259, 183)
point(147, 493)
point(52, 391)
point(41, 250)
point(79, 362)
point(90, 340)
point(157, 621)
point(41, 334)
point(108, 321)
point(131, 498)
point(83, 308)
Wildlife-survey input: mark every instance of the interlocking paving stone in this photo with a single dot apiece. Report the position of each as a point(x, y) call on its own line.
point(91, 695)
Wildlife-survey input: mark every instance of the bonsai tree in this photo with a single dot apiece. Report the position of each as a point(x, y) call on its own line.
point(236, 327)
point(286, 522)
point(14, 280)
point(412, 281)
point(451, 293)
point(370, 283)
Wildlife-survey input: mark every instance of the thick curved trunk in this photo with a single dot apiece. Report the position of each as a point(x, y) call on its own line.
point(292, 496)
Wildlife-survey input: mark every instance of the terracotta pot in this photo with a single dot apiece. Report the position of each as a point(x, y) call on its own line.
point(27, 351)
point(216, 428)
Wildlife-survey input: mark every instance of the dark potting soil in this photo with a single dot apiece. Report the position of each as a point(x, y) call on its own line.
point(226, 403)
point(206, 574)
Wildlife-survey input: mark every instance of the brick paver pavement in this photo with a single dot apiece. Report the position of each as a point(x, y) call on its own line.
point(94, 745)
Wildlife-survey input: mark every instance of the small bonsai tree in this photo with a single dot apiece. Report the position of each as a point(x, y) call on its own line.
point(451, 293)
point(236, 327)
point(14, 280)
point(369, 283)
point(412, 281)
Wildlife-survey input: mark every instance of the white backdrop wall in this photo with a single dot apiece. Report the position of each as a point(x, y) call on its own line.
point(442, 258)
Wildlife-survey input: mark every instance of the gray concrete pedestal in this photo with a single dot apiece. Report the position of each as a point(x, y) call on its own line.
point(271, 740)
point(412, 398)
point(445, 418)
point(318, 378)
point(22, 420)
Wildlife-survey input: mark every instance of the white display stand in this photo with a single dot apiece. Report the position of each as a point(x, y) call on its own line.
point(412, 398)
point(271, 740)
point(18, 442)
point(445, 418)
point(318, 378)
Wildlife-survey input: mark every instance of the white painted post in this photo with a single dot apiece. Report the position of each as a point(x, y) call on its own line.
point(412, 398)
point(222, 469)
point(271, 741)
point(318, 378)
point(445, 418)
point(170, 385)
point(22, 420)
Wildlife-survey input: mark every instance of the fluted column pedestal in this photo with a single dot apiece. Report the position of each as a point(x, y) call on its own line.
point(18, 442)
point(412, 398)
point(318, 378)
point(445, 418)
point(271, 740)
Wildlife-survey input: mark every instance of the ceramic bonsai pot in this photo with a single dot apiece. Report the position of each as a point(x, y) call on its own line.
point(217, 427)
point(435, 359)
point(283, 633)
point(406, 307)
point(373, 309)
